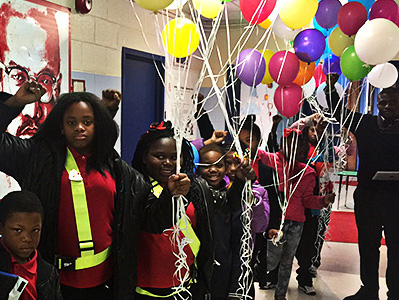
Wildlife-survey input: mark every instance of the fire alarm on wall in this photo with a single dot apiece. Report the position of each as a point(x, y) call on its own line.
point(83, 6)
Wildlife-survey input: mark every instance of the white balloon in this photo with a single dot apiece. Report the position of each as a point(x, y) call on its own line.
point(309, 88)
point(321, 97)
point(377, 41)
point(283, 31)
point(383, 75)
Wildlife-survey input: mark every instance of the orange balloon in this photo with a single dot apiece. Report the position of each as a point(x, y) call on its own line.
point(306, 72)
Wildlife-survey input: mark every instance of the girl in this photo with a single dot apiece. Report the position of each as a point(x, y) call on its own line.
point(297, 181)
point(155, 157)
point(227, 228)
point(92, 200)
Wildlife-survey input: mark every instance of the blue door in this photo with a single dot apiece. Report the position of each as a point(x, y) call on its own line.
point(143, 97)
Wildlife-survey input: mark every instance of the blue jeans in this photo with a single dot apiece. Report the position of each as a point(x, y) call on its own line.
point(292, 232)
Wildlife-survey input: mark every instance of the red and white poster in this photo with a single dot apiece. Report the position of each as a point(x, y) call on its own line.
point(34, 44)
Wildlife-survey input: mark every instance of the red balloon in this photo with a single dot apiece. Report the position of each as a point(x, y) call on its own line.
point(397, 18)
point(387, 9)
point(351, 17)
point(284, 67)
point(252, 14)
point(287, 99)
point(319, 75)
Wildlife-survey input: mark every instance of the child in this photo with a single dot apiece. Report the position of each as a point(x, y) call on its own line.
point(297, 181)
point(155, 157)
point(71, 162)
point(261, 209)
point(250, 135)
point(226, 223)
point(21, 216)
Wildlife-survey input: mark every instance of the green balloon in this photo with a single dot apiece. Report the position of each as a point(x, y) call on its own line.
point(351, 65)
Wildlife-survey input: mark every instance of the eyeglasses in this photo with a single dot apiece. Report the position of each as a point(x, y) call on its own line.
point(18, 75)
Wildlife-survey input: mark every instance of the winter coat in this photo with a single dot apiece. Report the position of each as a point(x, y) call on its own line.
point(37, 165)
point(298, 189)
point(48, 281)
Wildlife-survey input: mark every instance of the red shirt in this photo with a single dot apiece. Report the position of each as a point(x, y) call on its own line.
point(100, 194)
point(27, 271)
point(156, 259)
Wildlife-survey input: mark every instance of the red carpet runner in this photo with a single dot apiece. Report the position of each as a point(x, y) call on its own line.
point(343, 227)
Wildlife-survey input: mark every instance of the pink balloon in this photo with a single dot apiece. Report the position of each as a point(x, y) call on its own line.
point(319, 75)
point(397, 18)
point(287, 99)
point(387, 9)
point(252, 14)
point(284, 67)
point(351, 17)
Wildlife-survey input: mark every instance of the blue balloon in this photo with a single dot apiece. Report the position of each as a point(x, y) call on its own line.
point(332, 64)
point(309, 45)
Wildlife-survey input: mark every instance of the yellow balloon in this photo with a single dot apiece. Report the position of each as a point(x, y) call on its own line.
point(267, 55)
point(338, 41)
point(154, 5)
point(208, 8)
point(180, 37)
point(298, 13)
point(265, 24)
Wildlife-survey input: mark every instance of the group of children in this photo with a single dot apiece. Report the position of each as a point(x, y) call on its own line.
point(111, 228)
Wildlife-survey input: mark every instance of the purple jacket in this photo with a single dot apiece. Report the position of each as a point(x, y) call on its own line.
point(261, 210)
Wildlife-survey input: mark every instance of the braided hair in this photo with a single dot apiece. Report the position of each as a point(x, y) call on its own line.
point(156, 132)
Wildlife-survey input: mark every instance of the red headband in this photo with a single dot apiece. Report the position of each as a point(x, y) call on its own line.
point(287, 131)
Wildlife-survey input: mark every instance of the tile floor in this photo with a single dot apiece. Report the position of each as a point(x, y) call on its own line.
point(338, 275)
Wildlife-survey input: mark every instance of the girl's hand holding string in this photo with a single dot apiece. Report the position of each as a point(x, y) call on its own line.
point(179, 184)
point(245, 171)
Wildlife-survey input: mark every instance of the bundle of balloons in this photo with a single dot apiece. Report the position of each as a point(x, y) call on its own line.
point(356, 39)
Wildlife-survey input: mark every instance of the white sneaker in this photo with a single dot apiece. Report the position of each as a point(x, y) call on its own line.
point(308, 290)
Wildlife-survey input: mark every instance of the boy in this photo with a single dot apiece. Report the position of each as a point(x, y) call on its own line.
point(21, 216)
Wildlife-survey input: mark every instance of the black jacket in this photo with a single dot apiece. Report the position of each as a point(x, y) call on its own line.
point(38, 166)
point(48, 282)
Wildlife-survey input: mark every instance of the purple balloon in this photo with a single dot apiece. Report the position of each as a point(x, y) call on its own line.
point(327, 13)
point(309, 45)
point(332, 65)
point(251, 67)
point(387, 9)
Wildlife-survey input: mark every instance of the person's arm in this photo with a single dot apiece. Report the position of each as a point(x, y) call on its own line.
point(158, 210)
point(111, 99)
point(272, 144)
point(310, 200)
point(15, 153)
point(218, 136)
point(347, 118)
point(268, 158)
point(204, 123)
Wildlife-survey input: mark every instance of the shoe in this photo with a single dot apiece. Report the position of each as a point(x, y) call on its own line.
point(308, 290)
point(269, 285)
point(280, 298)
point(362, 294)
